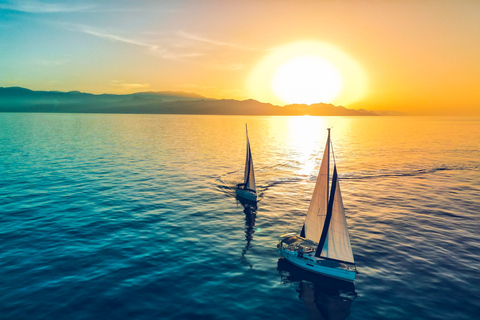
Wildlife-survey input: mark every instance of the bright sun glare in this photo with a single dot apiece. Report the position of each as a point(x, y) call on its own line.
point(307, 72)
point(307, 79)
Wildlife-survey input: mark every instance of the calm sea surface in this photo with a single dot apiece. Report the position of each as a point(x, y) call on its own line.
point(134, 217)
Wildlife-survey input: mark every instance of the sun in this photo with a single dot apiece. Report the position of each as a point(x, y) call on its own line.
point(307, 79)
point(307, 72)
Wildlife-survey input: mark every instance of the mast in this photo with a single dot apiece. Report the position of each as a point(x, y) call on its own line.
point(325, 222)
point(328, 159)
point(329, 198)
point(318, 205)
point(247, 161)
point(249, 178)
point(323, 241)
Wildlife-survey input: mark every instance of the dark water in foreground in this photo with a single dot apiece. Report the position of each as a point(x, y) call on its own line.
point(134, 217)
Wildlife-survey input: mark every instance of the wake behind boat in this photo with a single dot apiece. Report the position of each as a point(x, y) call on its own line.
point(324, 244)
point(247, 189)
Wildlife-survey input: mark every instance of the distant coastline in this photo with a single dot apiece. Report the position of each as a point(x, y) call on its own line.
point(17, 99)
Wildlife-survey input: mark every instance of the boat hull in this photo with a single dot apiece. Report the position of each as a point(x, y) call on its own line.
point(310, 265)
point(246, 194)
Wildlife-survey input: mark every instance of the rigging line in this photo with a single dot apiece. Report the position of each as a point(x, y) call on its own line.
point(249, 159)
point(333, 153)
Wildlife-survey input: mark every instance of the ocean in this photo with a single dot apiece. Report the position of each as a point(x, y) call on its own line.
point(106, 216)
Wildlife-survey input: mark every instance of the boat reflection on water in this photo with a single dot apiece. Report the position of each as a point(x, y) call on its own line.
point(324, 297)
point(250, 210)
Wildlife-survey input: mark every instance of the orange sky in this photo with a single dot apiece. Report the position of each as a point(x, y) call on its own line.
point(418, 57)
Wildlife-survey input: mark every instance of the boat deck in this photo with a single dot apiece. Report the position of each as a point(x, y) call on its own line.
point(304, 249)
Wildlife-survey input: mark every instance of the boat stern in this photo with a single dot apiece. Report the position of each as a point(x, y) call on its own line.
point(246, 194)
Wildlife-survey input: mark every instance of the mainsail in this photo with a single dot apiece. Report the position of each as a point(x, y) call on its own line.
point(249, 177)
point(317, 210)
point(325, 222)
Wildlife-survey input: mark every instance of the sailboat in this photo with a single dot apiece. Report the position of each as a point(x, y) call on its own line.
point(247, 189)
point(324, 245)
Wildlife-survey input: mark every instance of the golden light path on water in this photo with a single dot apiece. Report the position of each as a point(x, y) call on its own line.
point(303, 136)
point(307, 72)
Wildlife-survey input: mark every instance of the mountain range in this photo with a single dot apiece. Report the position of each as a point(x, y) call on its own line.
point(17, 99)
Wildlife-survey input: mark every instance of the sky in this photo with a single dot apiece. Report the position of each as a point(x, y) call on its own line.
point(416, 57)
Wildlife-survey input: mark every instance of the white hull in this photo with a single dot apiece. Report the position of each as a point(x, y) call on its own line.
point(247, 195)
point(308, 262)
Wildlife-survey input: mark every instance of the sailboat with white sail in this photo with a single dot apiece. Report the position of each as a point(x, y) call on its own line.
point(324, 243)
point(247, 189)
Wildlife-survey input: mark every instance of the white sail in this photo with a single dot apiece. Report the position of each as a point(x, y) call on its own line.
point(318, 205)
point(338, 245)
point(337, 242)
point(249, 177)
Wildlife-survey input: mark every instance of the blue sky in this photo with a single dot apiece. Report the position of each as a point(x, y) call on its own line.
point(418, 55)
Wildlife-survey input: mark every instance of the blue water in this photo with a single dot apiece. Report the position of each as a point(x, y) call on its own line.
point(134, 217)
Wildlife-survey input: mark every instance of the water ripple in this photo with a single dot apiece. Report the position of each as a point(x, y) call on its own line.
point(135, 216)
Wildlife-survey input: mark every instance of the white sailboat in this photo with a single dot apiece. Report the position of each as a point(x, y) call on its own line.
point(247, 189)
point(324, 243)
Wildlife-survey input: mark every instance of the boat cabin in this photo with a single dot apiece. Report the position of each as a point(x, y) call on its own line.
point(298, 244)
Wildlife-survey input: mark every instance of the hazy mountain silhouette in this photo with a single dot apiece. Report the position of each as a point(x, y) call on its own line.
point(16, 99)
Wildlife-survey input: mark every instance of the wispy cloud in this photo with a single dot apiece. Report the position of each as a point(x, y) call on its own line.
point(166, 51)
point(193, 86)
point(108, 35)
point(128, 86)
point(199, 38)
point(34, 6)
point(179, 55)
point(50, 63)
point(114, 37)
point(235, 67)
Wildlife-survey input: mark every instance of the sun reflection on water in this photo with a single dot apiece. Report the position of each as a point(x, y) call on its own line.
point(304, 135)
